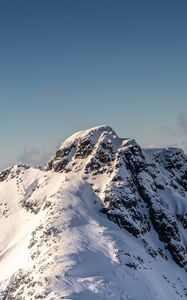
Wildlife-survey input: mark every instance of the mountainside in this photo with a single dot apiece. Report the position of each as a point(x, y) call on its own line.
point(106, 219)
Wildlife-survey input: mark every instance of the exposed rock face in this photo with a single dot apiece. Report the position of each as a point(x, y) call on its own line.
point(104, 216)
point(134, 184)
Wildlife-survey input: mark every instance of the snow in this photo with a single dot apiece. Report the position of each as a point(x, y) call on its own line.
point(94, 132)
point(55, 242)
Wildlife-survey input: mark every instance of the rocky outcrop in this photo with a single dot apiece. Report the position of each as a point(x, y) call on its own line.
point(133, 184)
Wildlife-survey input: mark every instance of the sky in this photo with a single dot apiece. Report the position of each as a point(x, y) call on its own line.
point(67, 65)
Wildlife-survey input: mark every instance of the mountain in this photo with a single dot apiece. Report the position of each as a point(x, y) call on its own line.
point(105, 220)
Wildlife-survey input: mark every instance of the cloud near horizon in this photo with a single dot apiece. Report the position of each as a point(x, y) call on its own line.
point(182, 122)
point(176, 136)
point(164, 136)
point(34, 157)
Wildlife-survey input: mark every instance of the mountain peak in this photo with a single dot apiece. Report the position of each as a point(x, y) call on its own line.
point(100, 153)
point(93, 133)
point(104, 217)
point(87, 144)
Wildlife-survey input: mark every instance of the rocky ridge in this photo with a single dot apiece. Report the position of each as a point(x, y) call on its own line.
point(104, 199)
point(134, 192)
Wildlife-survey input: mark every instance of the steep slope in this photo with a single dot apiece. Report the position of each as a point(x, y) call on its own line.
point(105, 220)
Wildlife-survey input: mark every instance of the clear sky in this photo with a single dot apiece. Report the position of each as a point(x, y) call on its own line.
point(67, 65)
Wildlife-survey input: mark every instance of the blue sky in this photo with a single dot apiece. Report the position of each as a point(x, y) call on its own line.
point(66, 65)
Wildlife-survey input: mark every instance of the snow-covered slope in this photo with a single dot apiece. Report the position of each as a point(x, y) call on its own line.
point(105, 220)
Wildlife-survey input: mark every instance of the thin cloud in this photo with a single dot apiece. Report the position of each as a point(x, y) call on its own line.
point(165, 132)
point(34, 157)
point(163, 136)
point(182, 122)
